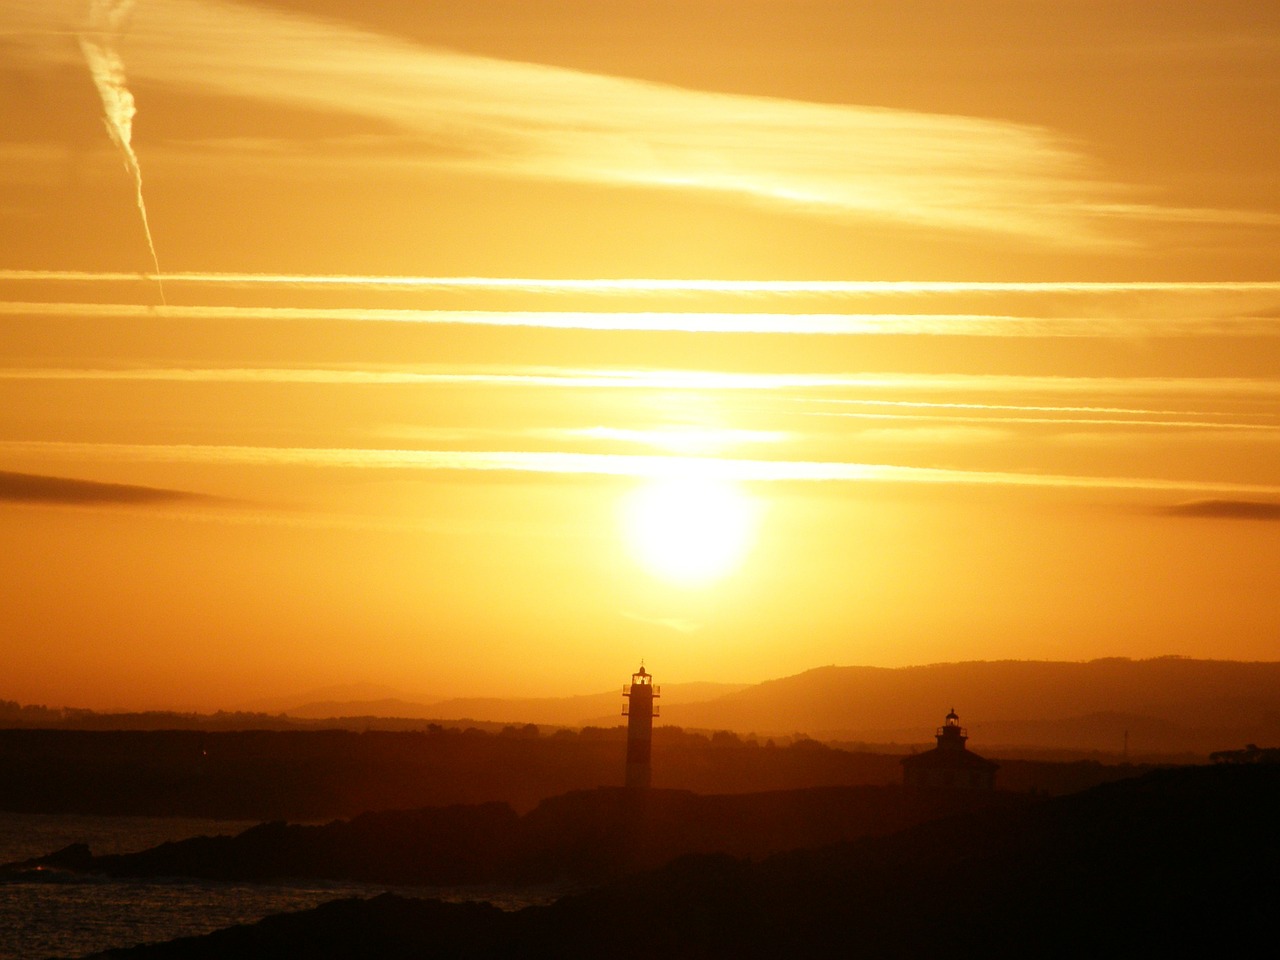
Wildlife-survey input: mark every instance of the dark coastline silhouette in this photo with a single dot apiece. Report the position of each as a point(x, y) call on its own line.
point(584, 836)
point(319, 774)
point(1176, 860)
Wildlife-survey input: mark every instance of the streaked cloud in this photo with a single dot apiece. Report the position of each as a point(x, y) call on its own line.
point(685, 440)
point(67, 491)
point(795, 324)
point(604, 465)
point(1130, 310)
point(935, 434)
point(1153, 422)
point(616, 285)
point(689, 441)
point(484, 115)
point(1227, 509)
point(1206, 215)
point(702, 380)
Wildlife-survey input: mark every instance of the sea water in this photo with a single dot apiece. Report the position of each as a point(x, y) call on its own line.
point(52, 913)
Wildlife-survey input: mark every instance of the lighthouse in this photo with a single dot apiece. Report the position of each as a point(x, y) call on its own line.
point(950, 764)
point(639, 711)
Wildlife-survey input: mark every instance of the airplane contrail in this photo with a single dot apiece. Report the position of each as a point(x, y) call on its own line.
point(106, 22)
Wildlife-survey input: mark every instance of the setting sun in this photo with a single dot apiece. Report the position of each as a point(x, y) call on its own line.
point(690, 530)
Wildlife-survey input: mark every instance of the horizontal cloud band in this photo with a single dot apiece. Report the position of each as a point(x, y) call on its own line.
point(598, 464)
point(37, 488)
point(614, 285)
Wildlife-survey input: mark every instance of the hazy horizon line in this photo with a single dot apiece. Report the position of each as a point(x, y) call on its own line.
point(423, 699)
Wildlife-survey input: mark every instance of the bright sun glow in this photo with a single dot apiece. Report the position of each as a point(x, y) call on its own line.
point(690, 530)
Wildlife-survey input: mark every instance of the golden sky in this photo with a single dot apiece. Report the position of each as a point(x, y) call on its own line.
point(486, 347)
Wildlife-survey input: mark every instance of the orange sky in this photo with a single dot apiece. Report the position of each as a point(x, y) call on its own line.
point(972, 307)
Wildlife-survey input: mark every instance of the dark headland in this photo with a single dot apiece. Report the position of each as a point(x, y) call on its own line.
point(1173, 861)
point(584, 836)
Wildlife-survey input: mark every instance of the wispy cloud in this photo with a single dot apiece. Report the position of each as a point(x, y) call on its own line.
point(628, 285)
point(688, 441)
point(793, 324)
point(37, 488)
point(606, 465)
point(935, 434)
point(481, 114)
point(1207, 215)
point(107, 19)
point(1159, 422)
point(868, 384)
point(685, 440)
point(1126, 310)
point(1228, 509)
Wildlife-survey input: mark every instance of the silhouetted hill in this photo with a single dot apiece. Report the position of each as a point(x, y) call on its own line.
point(1168, 704)
point(1175, 863)
point(555, 711)
point(359, 706)
point(387, 707)
point(335, 693)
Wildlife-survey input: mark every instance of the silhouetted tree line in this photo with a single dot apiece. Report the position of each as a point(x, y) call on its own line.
point(14, 715)
point(32, 716)
point(1252, 753)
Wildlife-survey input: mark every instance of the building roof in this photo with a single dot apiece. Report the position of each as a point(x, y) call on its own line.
point(938, 757)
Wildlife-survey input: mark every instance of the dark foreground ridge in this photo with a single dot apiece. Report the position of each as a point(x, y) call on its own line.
point(587, 836)
point(1178, 860)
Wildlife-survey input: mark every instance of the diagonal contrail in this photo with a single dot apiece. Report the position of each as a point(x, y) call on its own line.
point(106, 22)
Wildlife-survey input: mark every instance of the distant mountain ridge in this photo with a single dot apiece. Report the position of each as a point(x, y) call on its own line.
point(592, 708)
point(386, 707)
point(1110, 705)
point(336, 694)
point(1162, 705)
point(1174, 703)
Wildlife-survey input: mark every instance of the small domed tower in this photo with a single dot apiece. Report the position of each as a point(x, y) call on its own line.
point(951, 736)
point(640, 711)
point(950, 764)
